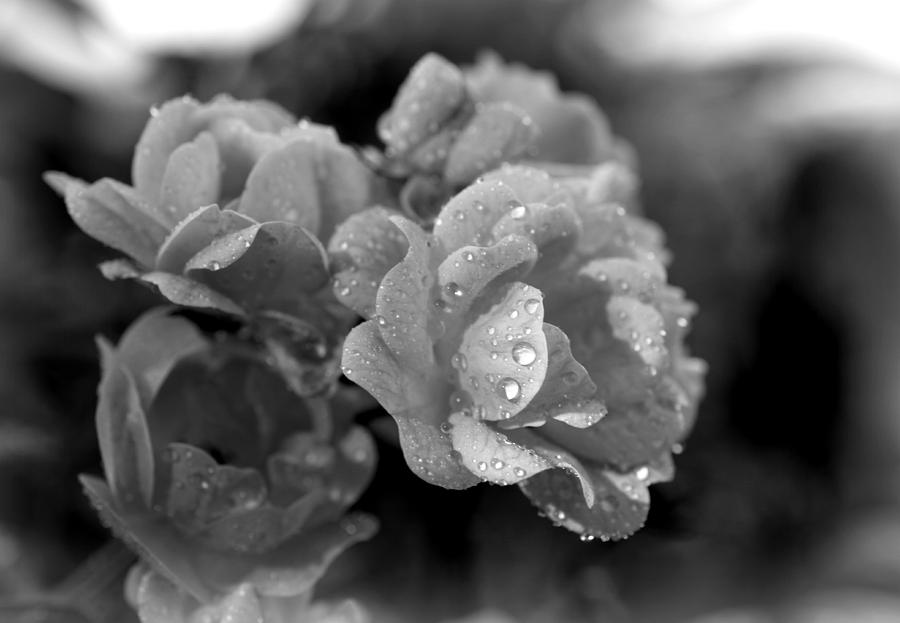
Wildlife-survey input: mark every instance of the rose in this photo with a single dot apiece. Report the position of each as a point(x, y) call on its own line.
point(217, 474)
point(573, 130)
point(457, 350)
point(228, 200)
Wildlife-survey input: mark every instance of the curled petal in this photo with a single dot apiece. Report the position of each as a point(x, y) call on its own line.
point(567, 394)
point(531, 185)
point(403, 300)
point(498, 133)
point(272, 265)
point(502, 358)
point(469, 272)
point(490, 455)
point(194, 233)
point(362, 250)
point(619, 510)
point(468, 217)
point(432, 94)
point(554, 229)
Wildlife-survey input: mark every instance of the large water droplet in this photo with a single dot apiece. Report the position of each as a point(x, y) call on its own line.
point(524, 354)
point(510, 389)
point(459, 362)
point(497, 464)
point(518, 212)
point(532, 305)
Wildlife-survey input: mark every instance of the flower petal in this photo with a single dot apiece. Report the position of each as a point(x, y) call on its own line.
point(432, 93)
point(567, 393)
point(122, 432)
point(272, 265)
point(153, 344)
point(468, 217)
point(403, 302)
point(196, 491)
point(553, 228)
point(190, 293)
point(469, 272)
point(115, 215)
point(160, 601)
point(195, 232)
point(414, 397)
point(502, 359)
point(241, 605)
point(498, 133)
point(191, 179)
point(620, 507)
point(490, 455)
point(362, 250)
point(283, 187)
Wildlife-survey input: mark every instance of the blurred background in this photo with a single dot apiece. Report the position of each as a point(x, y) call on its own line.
point(768, 136)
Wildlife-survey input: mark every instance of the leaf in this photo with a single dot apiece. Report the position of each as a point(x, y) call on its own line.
point(468, 217)
point(362, 250)
point(113, 214)
point(502, 358)
point(191, 179)
point(490, 455)
point(498, 133)
point(404, 300)
point(197, 231)
point(273, 265)
point(432, 93)
point(190, 293)
point(122, 432)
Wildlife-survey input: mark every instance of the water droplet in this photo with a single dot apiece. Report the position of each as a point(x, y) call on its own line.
point(518, 212)
point(642, 473)
point(482, 466)
point(446, 427)
point(454, 289)
point(460, 216)
point(469, 256)
point(524, 354)
point(519, 472)
point(586, 538)
point(532, 305)
point(214, 266)
point(510, 389)
point(498, 464)
point(514, 313)
point(380, 320)
point(459, 362)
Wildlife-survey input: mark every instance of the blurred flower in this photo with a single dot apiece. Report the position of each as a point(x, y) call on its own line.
point(457, 350)
point(227, 203)
point(572, 128)
point(231, 488)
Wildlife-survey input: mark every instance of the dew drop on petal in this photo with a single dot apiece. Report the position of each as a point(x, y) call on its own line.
point(459, 362)
point(642, 473)
point(510, 389)
point(482, 466)
point(532, 305)
point(519, 472)
point(454, 289)
point(524, 354)
point(497, 464)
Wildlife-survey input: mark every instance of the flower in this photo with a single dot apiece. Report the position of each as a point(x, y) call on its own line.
point(217, 474)
point(573, 130)
point(228, 200)
point(459, 347)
